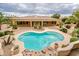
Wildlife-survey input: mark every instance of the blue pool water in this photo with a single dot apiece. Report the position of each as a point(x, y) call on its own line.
point(39, 41)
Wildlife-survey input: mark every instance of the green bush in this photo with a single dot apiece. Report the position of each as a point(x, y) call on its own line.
point(2, 34)
point(75, 32)
point(64, 19)
point(78, 35)
point(14, 26)
point(16, 47)
point(63, 46)
point(67, 22)
point(78, 31)
point(63, 30)
point(77, 25)
point(73, 39)
point(6, 32)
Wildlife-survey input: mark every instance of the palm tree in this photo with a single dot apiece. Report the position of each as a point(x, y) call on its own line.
point(2, 19)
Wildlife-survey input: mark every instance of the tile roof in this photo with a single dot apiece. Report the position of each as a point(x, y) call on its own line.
point(34, 18)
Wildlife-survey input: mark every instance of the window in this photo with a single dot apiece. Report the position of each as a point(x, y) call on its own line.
point(20, 22)
point(45, 23)
point(17, 22)
point(53, 22)
point(23, 22)
point(26, 22)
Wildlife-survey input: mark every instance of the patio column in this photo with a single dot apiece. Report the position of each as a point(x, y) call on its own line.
point(31, 23)
point(42, 23)
point(13, 22)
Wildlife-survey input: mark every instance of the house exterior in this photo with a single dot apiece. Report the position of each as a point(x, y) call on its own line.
point(31, 21)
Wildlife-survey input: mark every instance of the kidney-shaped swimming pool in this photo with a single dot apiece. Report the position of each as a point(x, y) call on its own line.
point(38, 41)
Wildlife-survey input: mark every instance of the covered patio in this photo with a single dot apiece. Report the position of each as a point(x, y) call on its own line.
point(31, 21)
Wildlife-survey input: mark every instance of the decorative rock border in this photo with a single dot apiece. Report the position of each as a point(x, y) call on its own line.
point(52, 52)
point(46, 52)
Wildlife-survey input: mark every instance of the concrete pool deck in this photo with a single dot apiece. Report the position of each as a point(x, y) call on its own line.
point(23, 30)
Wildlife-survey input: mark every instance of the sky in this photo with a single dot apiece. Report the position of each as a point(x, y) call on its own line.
point(25, 9)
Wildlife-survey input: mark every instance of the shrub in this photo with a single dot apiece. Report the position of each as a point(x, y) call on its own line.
point(78, 35)
point(67, 22)
point(75, 32)
point(63, 46)
point(73, 39)
point(7, 32)
point(64, 19)
point(77, 25)
point(16, 47)
point(78, 31)
point(2, 34)
point(68, 26)
point(14, 26)
point(63, 30)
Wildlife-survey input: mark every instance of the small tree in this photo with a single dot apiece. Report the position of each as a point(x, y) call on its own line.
point(63, 30)
point(2, 19)
point(71, 20)
point(75, 33)
point(14, 26)
point(76, 14)
point(64, 19)
point(77, 25)
point(56, 16)
point(73, 39)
